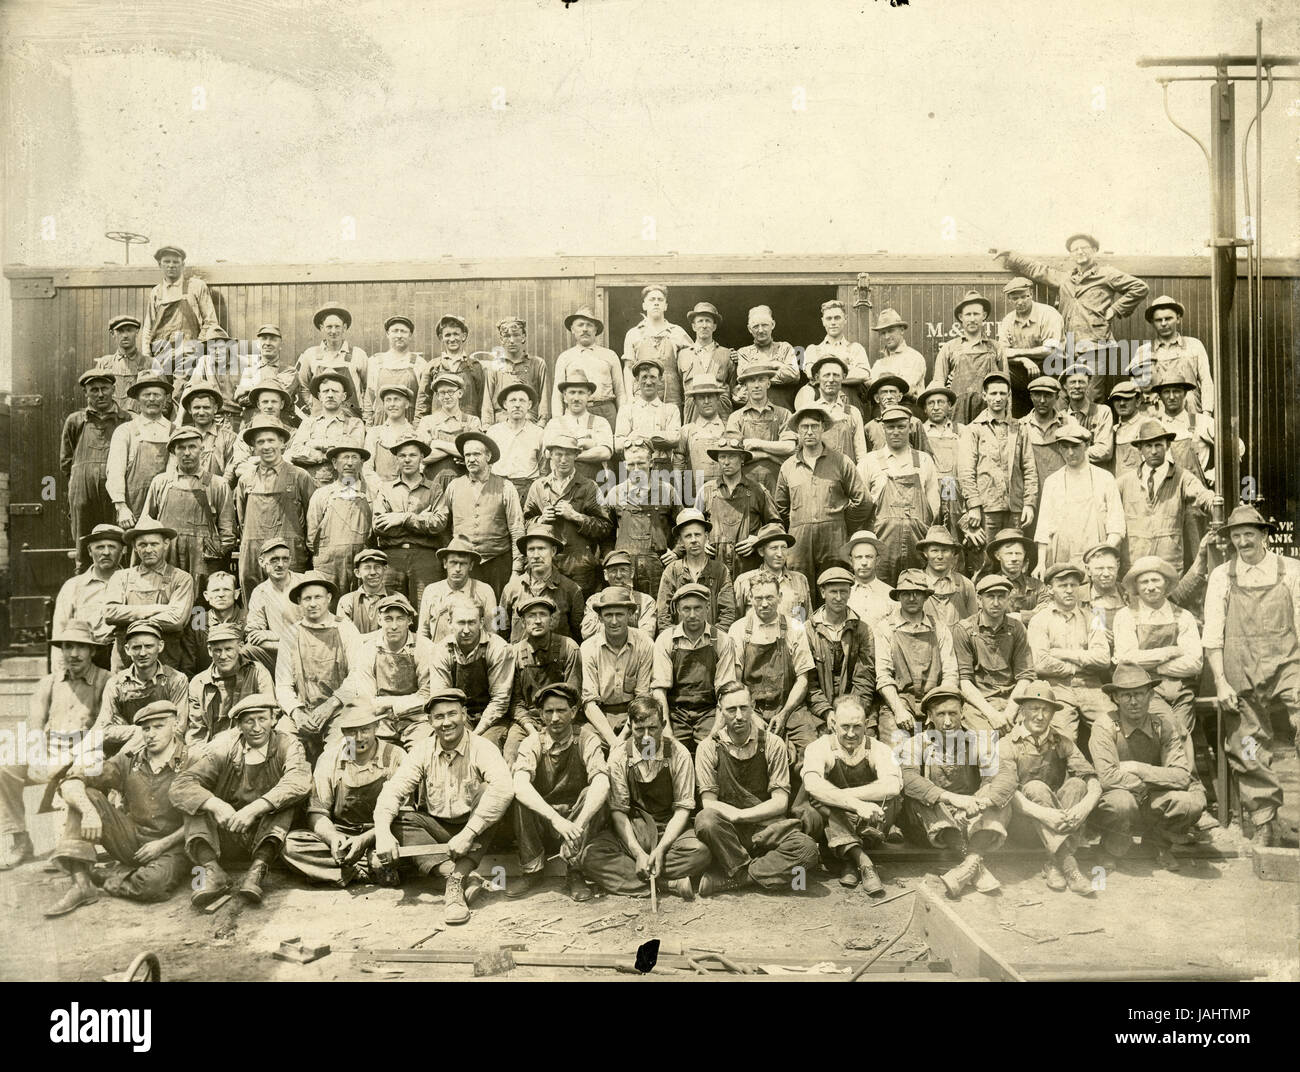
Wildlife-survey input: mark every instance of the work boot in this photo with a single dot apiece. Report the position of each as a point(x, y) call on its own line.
point(711, 884)
point(985, 881)
point(475, 885)
point(251, 888)
point(849, 873)
point(1166, 859)
point(214, 884)
point(454, 909)
point(1075, 878)
point(871, 883)
point(524, 884)
point(72, 900)
point(1265, 836)
point(681, 887)
point(20, 849)
point(1052, 873)
point(577, 886)
point(958, 878)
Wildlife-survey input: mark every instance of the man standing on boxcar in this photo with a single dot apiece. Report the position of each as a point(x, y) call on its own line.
point(179, 311)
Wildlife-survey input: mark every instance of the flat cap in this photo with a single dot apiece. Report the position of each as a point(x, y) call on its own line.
point(369, 554)
point(556, 688)
point(991, 581)
point(157, 709)
point(693, 589)
point(1063, 569)
point(396, 601)
point(529, 602)
point(940, 692)
point(257, 702)
point(445, 696)
point(834, 575)
point(142, 627)
point(225, 631)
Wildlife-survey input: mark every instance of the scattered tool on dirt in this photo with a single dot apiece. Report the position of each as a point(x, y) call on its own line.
point(293, 950)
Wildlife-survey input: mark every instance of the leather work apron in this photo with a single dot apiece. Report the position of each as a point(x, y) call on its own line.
point(353, 808)
point(561, 782)
point(692, 702)
point(472, 679)
point(902, 517)
point(767, 670)
point(276, 512)
point(146, 462)
point(653, 798)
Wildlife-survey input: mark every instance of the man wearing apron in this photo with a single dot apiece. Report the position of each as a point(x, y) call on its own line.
point(743, 776)
point(706, 361)
point(329, 426)
point(240, 794)
point(315, 662)
point(963, 362)
point(651, 797)
point(232, 675)
point(737, 507)
point(201, 405)
point(153, 590)
point(398, 366)
point(199, 508)
point(144, 681)
point(1080, 505)
point(902, 484)
point(127, 362)
point(617, 664)
point(339, 516)
point(1156, 498)
point(83, 457)
point(475, 661)
point(757, 422)
point(914, 654)
point(138, 450)
point(448, 419)
point(271, 501)
point(693, 661)
point(1252, 643)
point(452, 332)
point(542, 658)
point(392, 674)
point(692, 564)
point(345, 787)
point(852, 790)
point(178, 314)
point(332, 354)
point(774, 662)
point(572, 506)
point(561, 785)
point(944, 440)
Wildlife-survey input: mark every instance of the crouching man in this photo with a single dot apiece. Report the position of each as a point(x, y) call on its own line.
point(561, 785)
point(240, 793)
point(743, 774)
point(851, 793)
point(651, 796)
point(957, 792)
point(345, 786)
point(1145, 773)
point(145, 836)
point(464, 790)
point(1057, 787)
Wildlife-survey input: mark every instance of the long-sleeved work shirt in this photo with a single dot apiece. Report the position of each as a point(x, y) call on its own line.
point(1090, 298)
point(1186, 664)
point(1139, 756)
point(1053, 631)
point(470, 781)
point(218, 771)
point(500, 659)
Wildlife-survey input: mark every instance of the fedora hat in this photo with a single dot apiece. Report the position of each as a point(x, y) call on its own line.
point(947, 393)
point(338, 374)
point(584, 313)
point(826, 359)
point(614, 596)
point(753, 372)
point(1041, 691)
point(1170, 378)
point(1006, 536)
point(689, 516)
point(148, 378)
point(458, 545)
point(540, 531)
point(888, 318)
point(357, 716)
point(1150, 430)
point(911, 580)
point(338, 448)
point(704, 308)
point(203, 387)
point(147, 526)
point(577, 378)
point(333, 309)
point(263, 424)
point(887, 379)
point(518, 385)
point(268, 383)
point(75, 631)
point(465, 438)
point(425, 449)
point(937, 536)
point(772, 531)
point(312, 577)
point(704, 385)
point(972, 296)
point(1129, 676)
point(103, 532)
point(1248, 515)
point(1164, 302)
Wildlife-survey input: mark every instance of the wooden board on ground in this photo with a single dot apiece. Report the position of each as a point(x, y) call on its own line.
point(953, 940)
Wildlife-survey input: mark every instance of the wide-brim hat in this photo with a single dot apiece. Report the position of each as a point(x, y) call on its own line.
point(911, 580)
point(704, 385)
point(1150, 430)
point(269, 384)
point(425, 449)
point(400, 318)
point(689, 516)
point(343, 379)
point(1129, 676)
point(888, 379)
point(519, 385)
point(339, 448)
point(149, 527)
point(825, 359)
point(938, 536)
point(103, 532)
point(614, 596)
point(1171, 379)
point(450, 318)
point(94, 375)
point(332, 309)
point(203, 387)
point(494, 452)
point(264, 424)
point(576, 378)
point(310, 578)
point(704, 309)
point(729, 444)
point(864, 536)
point(969, 297)
point(75, 631)
point(584, 313)
point(1151, 564)
point(772, 531)
point(540, 531)
point(459, 545)
point(889, 318)
point(148, 379)
point(947, 393)
point(356, 716)
point(1006, 536)
point(753, 372)
point(1164, 302)
point(1248, 515)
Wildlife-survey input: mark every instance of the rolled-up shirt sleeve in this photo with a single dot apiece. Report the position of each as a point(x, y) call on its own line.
point(403, 783)
point(115, 467)
point(1216, 608)
point(498, 786)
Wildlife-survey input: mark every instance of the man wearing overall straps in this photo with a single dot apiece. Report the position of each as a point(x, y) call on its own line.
point(453, 332)
point(706, 361)
point(126, 362)
point(593, 434)
point(83, 457)
point(271, 501)
point(144, 681)
point(757, 422)
point(695, 566)
point(774, 663)
point(1252, 643)
point(314, 664)
point(514, 366)
point(842, 647)
point(957, 792)
point(618, 570)
point(643, 506)
point(617, 664)
point(995, 467)
point(571, 504)
point(651, 797)
point(197, 506)
point(398, 366)
point(137, 451)
point(179, 311)
point(339, 516)
point(441, 425)
point(737, 507)
point(332, 424)
point(963, 363)
point(693, 662)
point(392, 676)
point(1129, 418)
point(540, 547)
point(458, 560)
point(521, 442)
point(475, 661)
point(332, 354)
point(654, 337)
point(993, 655)
point(954, 593)
point(1081, 506)
point(542, 658)
point(240, 794)
point(694, 455)
point(394, 426)
point(902, 485)
point(843, 432)
point(1008, 556)
point(778, 357)
point(944, 439)
point(597, 366)
point(1157, 496)
point(345, 786)
point(885, 392)
point(914, 654)
point(361, 605)
point(213, 693)
point(851, 793)
point(561, 785)
point(648, 416)
point(153, 591)
point(743, 775)
point(202, 406)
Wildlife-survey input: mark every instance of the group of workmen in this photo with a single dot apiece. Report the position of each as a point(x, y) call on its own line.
point(682, 619)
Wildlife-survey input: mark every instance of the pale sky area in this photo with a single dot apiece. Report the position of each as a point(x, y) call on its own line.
point(1020, 121)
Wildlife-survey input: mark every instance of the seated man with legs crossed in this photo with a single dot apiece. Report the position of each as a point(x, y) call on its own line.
point(561, 785)
point(743, 774)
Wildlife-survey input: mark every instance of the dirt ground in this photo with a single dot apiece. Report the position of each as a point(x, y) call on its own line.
point(1213, 913)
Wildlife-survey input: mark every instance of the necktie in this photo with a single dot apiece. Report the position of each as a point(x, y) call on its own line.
point(1151, 487)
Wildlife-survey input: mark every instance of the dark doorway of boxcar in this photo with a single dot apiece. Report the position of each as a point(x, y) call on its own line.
point(796, 310)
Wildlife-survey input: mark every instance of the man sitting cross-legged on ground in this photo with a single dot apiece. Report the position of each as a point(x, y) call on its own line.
point(1146, 774)
point(651, 796)
point(239, 794)
point(851, 792)
point(956, 791)
point(465, 791)
point(345, 785)
point(143, 836)
point(743, 774)
point(561, 785)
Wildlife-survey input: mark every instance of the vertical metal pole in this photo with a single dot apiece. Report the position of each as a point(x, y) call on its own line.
point(1255, 429)
point(1223, 279)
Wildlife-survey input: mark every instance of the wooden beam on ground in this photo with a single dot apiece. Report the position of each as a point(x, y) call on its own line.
point(953, 940)
point(627, 961)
